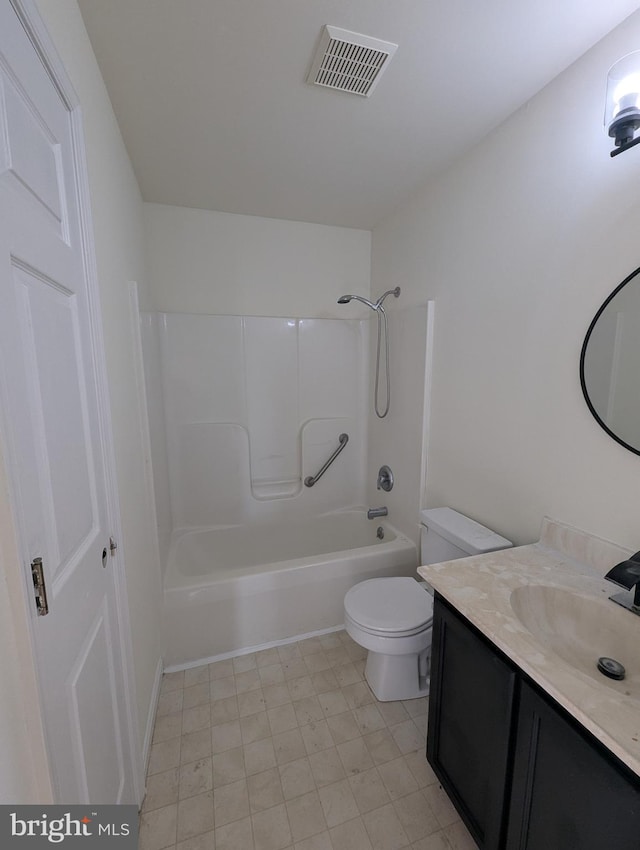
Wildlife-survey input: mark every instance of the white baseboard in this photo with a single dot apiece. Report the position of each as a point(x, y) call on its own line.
point(247, 650)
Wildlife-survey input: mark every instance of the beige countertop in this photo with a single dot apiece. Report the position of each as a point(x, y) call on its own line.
point(480, 588)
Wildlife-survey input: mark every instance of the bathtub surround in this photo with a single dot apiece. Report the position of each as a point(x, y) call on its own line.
point(253, 405)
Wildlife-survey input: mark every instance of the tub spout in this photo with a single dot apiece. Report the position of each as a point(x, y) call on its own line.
point(374, 513)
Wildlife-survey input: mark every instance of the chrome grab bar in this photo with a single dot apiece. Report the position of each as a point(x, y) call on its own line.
point(310, 480)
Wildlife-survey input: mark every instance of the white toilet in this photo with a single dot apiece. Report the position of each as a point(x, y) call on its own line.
point(391, 617)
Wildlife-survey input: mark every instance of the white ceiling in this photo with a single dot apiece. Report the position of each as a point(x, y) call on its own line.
point(215, 112)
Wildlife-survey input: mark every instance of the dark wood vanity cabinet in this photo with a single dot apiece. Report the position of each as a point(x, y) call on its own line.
point(471, 709)
point(567, 791)
point(522, 773)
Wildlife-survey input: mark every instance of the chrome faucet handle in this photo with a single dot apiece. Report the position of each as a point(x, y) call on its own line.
point(385, 479)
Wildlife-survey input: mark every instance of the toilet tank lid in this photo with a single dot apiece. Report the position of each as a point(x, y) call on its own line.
point(462, 531)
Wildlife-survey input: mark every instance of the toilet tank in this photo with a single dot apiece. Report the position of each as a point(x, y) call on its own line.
point(446, 535)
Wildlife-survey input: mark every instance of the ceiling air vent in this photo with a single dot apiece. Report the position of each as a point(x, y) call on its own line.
point(348, 61)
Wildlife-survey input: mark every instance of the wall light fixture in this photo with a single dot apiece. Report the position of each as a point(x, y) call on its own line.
point(622, 108)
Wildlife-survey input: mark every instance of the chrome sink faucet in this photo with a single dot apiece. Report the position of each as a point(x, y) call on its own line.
point(627, 574)
point(374, 513)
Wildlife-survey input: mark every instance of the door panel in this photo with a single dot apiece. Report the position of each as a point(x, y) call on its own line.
point(32, 157)
point(48, 321)
point(102, 770)
point(51, 431)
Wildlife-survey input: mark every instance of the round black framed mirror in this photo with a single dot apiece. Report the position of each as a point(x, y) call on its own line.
point(610, 364)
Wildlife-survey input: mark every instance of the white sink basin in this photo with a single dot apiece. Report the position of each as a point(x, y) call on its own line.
point(580, 629)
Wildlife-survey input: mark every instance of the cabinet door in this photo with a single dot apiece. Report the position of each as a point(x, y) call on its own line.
point(567, 793)
point(470, 716)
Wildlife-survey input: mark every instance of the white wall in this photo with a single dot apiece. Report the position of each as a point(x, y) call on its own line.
point(238, 265)
point(117, 219)
point(519, 243)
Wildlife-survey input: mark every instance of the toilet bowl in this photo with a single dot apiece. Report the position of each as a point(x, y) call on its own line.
point(392, 617)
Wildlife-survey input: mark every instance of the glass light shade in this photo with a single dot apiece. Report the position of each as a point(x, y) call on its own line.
point(623, 94)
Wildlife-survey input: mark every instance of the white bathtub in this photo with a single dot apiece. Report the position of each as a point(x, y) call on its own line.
point(228, 589)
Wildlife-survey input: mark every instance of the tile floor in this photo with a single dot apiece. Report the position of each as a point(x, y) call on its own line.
point(288, 749)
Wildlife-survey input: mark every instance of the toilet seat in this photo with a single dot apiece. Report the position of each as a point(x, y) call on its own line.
point(389, 607)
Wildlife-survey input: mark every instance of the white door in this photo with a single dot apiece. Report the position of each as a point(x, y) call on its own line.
point(52, 437)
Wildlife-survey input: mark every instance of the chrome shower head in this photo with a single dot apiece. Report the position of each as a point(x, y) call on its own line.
point(344, 299)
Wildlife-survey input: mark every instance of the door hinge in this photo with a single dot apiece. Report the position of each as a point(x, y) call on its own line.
point(37, 574)
point(112, 547)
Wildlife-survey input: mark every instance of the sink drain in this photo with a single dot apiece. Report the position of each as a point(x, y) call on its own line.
point(611, 668)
